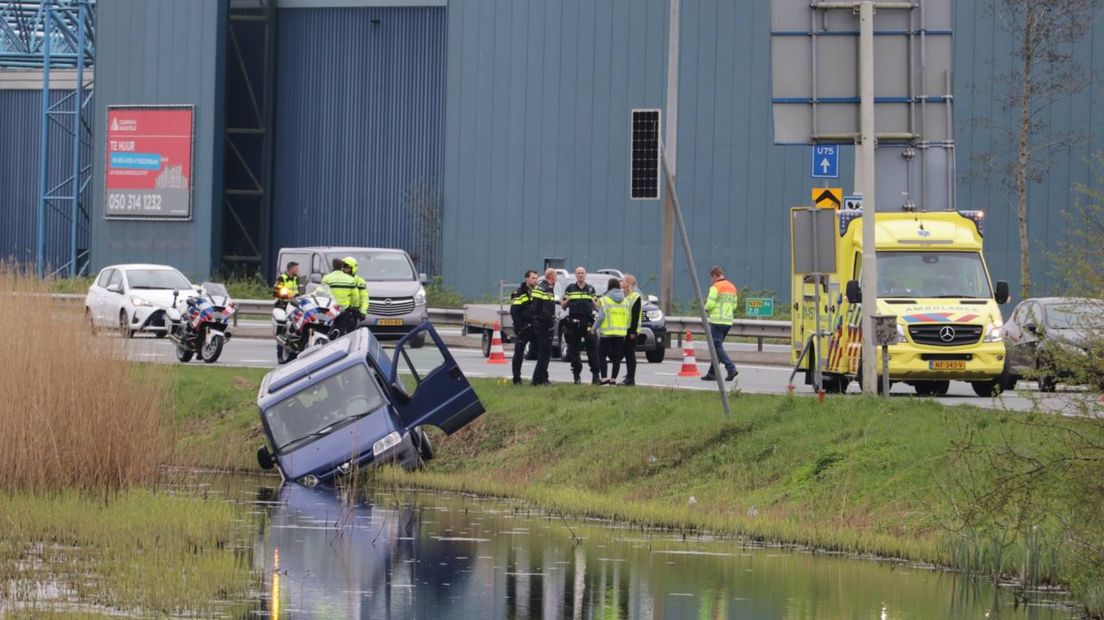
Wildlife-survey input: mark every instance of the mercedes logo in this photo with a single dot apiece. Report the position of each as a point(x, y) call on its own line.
point(387, 302)
point(947, 334)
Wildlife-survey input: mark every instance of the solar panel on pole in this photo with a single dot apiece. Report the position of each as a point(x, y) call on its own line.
point(645, 155)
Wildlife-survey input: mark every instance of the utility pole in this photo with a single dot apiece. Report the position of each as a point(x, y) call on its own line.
point(670, 146)
point(866, 128)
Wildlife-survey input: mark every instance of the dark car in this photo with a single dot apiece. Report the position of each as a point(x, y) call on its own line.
point(348, 404)
point(1045, 337)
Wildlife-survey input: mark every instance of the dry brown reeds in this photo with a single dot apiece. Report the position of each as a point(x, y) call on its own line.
point(73, 413)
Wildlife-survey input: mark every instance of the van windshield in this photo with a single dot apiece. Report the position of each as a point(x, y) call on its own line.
point(323, 407)
point(932, 274)
point(379, 266)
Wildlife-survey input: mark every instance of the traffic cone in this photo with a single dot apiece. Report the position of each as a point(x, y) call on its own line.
point(689, 365)
point(497, 356)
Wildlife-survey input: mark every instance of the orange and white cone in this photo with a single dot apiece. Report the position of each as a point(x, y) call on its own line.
point(689, 364)
point(497, 356)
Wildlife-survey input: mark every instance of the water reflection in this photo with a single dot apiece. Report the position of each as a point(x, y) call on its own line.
point(435, 556)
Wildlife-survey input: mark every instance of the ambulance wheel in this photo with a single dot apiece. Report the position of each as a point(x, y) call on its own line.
point(485, 343)
point(881, 388)
point(836, 385)
point(988, 388)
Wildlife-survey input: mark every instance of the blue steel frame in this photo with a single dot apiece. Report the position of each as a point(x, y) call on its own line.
point(49, 34)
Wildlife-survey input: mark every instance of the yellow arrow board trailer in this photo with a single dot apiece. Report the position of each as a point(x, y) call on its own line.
point(932, 276)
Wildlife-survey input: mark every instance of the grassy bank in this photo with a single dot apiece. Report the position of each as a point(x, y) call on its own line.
point(146, 553)
point(856, 475)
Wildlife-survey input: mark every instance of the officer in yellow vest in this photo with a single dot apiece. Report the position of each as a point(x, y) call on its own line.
point(636, 312)
point(287, 285)
point(343, 287)
point(721, 306)
point(361, 287)
point(613, 323)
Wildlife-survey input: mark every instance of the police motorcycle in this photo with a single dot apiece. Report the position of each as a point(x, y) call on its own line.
point(198, 324)
point(305, 321)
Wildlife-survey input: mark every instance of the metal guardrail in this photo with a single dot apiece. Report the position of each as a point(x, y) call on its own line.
point(677, 326)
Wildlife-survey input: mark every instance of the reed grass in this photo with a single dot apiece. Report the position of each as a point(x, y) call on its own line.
point(72, 415)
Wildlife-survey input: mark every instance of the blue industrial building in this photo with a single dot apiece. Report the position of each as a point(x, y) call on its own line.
point(484, 135)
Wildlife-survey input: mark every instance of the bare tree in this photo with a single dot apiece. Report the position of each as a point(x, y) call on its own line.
point(1044, 34)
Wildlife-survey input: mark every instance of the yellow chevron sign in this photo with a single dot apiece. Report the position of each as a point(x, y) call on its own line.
point(828, 197)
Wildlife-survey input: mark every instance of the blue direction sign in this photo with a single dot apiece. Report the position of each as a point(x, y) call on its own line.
point(826, 161)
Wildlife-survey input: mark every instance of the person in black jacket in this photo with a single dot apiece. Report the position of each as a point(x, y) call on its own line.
point(581, 303)
point(544, 320)
point(522, 317)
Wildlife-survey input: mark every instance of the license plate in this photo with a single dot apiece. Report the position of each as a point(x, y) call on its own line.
point(947, 365)
point(389, 322)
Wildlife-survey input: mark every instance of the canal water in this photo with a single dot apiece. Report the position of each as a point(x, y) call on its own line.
point(424, 555)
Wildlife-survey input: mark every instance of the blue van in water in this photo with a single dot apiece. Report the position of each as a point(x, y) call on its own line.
point(350, 404)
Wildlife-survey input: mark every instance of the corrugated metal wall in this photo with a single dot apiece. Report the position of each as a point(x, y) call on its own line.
point(537, 131)
point(163, 53)
point(537, 146)
point(20, 136)
point(982, 56)
point(360, 129)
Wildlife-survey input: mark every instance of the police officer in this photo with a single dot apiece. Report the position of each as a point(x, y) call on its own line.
point(343, 287)
point(287, 285)
point(361, 288)
point(521, 314)
point(721, 306)
point(543, 306)
point(581, 302)
point(636, 310)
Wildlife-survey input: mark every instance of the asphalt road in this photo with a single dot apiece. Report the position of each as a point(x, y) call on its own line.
point(754, 378)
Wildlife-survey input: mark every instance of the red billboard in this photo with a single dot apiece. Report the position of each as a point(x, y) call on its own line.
point(149, 162)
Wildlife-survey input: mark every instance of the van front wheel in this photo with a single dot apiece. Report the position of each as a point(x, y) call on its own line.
point(986, 389)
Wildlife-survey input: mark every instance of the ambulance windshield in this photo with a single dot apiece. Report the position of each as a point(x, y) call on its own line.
point(932, 274)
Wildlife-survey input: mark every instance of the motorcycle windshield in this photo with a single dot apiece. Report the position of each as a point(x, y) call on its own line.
point(216, 292)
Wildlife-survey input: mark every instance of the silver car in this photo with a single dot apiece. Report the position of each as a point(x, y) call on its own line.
point(396, 291)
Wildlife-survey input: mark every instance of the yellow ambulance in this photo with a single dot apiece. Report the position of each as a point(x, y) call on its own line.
point(932, 276)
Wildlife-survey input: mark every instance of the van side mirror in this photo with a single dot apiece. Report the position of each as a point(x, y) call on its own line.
point(316, 278)
point(1002, 292)
point(854, 292)
point(264, 459)
point(423, 278)
point(652, 299)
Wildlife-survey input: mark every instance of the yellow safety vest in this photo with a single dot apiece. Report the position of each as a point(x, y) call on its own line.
point(630, 299)
point(362, 294)
point(721, 304)
point(615, 317)
point(344, 287)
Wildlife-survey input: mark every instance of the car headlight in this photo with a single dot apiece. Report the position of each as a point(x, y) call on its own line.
point(390, 441)
point(138, 301)
point(901, 334)
point(420, 297)
point(309, 481)
point(654, 315)
point(993, 334)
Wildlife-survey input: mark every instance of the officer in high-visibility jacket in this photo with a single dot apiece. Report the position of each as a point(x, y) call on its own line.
point(636, 312)
point(343, 287)
point(613, 323)
point(721, 306)
point(361, 288)
point(287, 285)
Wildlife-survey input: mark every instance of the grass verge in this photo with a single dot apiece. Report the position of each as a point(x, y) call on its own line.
point(852, 474)
point(145, 553)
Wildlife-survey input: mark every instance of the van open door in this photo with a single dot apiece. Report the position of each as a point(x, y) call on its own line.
point(430, 387)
